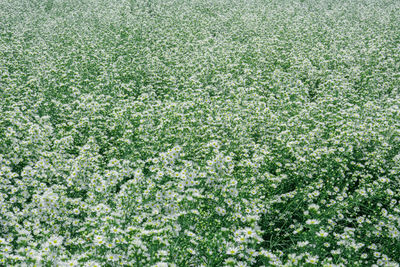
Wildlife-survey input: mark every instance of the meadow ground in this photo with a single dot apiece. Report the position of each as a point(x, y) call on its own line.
point(199, 133)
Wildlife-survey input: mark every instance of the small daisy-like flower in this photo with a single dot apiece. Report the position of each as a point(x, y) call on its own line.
point(92, 264)
point(98, 240)
point(162, 253)
point(377, 254)
point(312, 260)
point(360, 219)
point(220, 211)
point(229, 261)
point(241, 239)
point(252, 253)
point(191, 251)
point(302, 243)
point(232, 251)
point(112, 257)
point(322, 233)
point(153, 168)
point(72, 263)
point(7, 249)
point(312, 222)
point(241, 264)
point(110, 245)
point(55, 241)
point(249, 232)
point(161, 264)
point(364, 256)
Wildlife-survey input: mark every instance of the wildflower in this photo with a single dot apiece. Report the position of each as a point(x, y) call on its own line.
point(55, 241)
point(322, 233)
point(312, 260)
point(230, 261)
point(72, 263)
point(232, 251)
point(312, 222)
point(191, 251)
point(377, 254)
point(302, 243)
point(162, 253)
point(241, 239)
point(364, 256)
point(7, 249)
point(313, 207)
point(111, 257)
point(252, 253)
point(220, 211)
point(241, 264)
point(98, 240)
point(92, 264)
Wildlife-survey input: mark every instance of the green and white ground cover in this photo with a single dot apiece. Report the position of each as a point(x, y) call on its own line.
point(199, 133)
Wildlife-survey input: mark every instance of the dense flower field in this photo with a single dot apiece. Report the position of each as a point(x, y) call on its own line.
point(199, 133)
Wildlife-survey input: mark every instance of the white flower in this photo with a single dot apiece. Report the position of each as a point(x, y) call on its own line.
point(72, 263)
point(191, 251)
point(312, 260)
point(302, 243)
point(313, 207)
point(249, 232)
point(92, 264)
point(220, 211)
point(322, 233)
point(111, 257)
point(241, 239)
point(241, 264)
point(7, 249)
point(312, 222)
point(230, 261)
point(55, 241)
point(364, 256)
point(98, 240)
point(232, 251)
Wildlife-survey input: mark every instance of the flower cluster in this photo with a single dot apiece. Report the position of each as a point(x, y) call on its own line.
point(199, 133)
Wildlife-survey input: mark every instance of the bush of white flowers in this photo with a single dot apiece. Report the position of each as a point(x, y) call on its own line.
point(199, 133)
